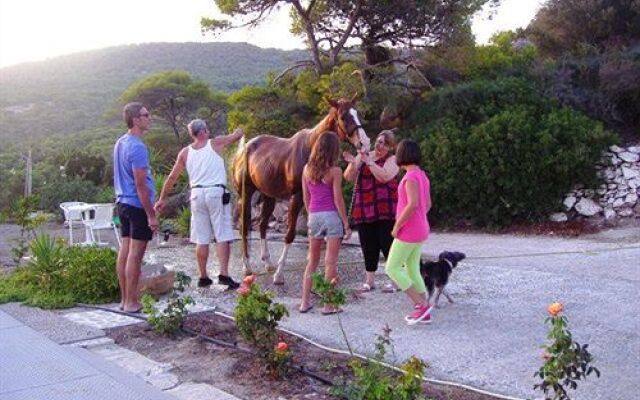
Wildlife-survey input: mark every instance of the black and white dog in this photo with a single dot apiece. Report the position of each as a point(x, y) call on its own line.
point(436, 274)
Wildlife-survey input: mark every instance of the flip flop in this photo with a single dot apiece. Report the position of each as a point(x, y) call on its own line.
point(306, 310)
point(335, 311)
point(138, 311)
point(367, 288)
point(389, 288)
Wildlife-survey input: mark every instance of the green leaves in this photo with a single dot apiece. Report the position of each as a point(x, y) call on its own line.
point(566, 361)
point(58, 276)
point(257, 317)
point(169, 321)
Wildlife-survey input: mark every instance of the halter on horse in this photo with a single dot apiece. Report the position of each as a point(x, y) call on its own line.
point(274, 168)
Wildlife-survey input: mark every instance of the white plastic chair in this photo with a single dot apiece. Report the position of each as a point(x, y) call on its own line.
point(72, 215)
point(97, 217)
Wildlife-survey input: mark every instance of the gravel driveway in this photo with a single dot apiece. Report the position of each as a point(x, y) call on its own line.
point(491, 337)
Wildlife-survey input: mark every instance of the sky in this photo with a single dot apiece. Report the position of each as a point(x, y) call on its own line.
point(33, 30)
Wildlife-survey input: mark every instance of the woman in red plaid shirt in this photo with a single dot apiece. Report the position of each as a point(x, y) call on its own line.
point(375, 196)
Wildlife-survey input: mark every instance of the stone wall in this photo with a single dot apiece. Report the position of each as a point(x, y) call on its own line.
point(616, 198)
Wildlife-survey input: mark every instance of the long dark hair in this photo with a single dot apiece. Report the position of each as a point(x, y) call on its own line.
point(324, 154)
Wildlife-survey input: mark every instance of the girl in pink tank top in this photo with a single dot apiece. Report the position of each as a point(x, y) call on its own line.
point(322, 194)
point(410, 231)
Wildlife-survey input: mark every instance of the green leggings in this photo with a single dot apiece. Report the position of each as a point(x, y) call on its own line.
point(403, 265)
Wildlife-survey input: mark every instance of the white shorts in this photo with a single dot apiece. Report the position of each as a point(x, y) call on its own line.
point(210, 219)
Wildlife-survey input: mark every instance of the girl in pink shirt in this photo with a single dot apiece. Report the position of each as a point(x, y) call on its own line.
point(322, 195)
point(410, 231)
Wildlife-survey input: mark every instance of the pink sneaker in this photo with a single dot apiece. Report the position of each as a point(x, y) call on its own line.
point(421, 312)
point(427, 320)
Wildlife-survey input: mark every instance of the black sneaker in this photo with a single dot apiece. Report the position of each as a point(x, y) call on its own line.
point(226, 280)
point(204, 282)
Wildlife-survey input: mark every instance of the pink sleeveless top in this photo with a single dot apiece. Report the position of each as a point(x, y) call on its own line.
point(416, 229)
point(320, 197)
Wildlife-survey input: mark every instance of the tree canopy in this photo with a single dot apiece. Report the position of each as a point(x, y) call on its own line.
point(582, 25)
point(173, 96)
point(332, 26)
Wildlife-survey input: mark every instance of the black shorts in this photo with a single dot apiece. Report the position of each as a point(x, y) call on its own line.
point(134, 222)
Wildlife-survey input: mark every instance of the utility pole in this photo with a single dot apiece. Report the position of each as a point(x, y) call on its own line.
point(28, 174)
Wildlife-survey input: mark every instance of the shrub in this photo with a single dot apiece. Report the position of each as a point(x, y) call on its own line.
point(257, 317)
point(183, 222)
point(515, 166)
point(374, 381)
point(471, 103)
point(565, 361)
point(169, 321)
point(59, 276)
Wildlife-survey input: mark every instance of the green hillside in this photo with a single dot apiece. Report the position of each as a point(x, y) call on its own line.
point(70, 93)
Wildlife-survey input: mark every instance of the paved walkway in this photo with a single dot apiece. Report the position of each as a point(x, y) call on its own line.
point(34, 367)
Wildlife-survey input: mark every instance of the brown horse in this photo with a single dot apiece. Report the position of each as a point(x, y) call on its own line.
point(274, 168)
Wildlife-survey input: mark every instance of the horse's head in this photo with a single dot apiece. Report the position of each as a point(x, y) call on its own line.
point(348, 126)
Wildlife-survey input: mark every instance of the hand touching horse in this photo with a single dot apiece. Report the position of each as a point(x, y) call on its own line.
point(273, 166)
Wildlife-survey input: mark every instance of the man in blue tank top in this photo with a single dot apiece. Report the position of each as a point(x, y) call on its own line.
point(210, 211)
point(135, 193)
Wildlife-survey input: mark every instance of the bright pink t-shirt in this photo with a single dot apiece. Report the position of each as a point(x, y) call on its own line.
point(416, 229)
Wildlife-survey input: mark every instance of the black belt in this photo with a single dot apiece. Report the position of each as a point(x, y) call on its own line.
point(209, 186)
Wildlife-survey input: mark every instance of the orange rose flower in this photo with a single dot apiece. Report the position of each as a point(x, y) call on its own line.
point(282, 347)
point(248, 280)
point(555, 309)
point(243, 290)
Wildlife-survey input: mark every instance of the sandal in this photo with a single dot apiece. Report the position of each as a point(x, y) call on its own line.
point(367, 288)
point(390, 288)
point(331, 311)
point(305, 310)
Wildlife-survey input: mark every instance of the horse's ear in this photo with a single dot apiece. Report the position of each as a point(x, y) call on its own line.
point(331, 102)
point(355, 98)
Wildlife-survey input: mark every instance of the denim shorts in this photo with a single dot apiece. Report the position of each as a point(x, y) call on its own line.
point(325, 224)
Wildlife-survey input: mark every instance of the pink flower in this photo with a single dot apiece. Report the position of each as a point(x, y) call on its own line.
point(282, 347)
point(249, 280)
point(243, 290)
point(334, 281)
point(546, 356)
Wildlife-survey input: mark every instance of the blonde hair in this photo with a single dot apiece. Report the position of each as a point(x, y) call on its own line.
point(390, 139)
point(324, 155)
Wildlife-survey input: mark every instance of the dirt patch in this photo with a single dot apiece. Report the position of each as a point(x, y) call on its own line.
point(240, 373)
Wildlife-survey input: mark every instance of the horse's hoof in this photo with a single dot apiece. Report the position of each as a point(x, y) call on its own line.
point(270, 268)
point(278, 280)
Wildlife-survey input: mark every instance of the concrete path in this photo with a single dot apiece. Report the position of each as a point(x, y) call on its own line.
point(34, 367)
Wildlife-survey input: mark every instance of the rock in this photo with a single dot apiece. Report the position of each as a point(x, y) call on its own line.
point(569, 202)
point(559, 217)
point(156, 279)
point(616, 149)
point(629, 157)
point(631, 199)
point(609, 213)
point(634, 149)
point(587, 207)
point(626, 212)
point(617, 203)
point(629, 173)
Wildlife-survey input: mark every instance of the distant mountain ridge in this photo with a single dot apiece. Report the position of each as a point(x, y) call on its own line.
point(70, 93)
